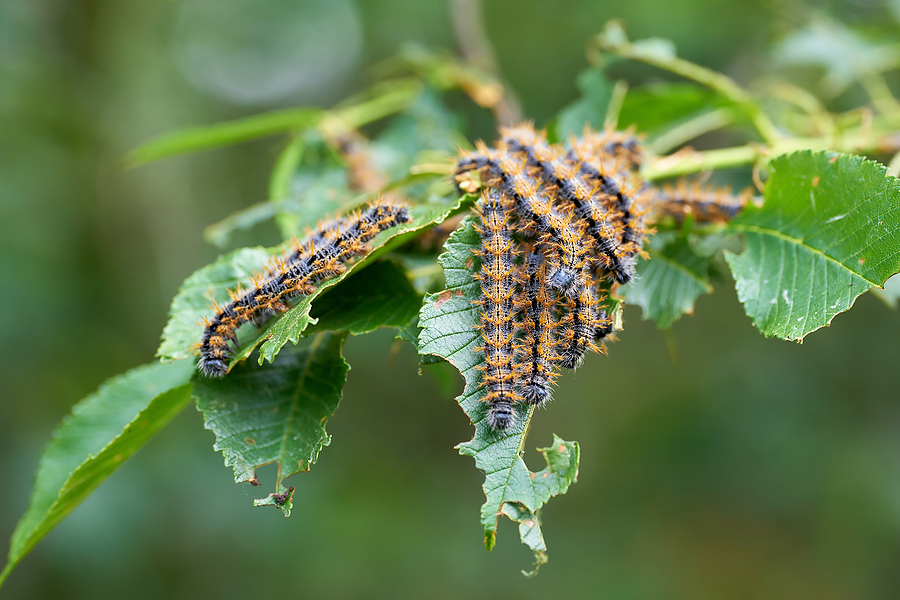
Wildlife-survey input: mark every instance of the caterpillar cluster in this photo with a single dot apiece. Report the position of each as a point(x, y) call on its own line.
point(561, 227)
point(573, 211)
point(322, 255)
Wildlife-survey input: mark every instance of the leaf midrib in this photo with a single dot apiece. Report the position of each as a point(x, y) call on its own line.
point(777, 234)
point(314, 347)
point(680, 267)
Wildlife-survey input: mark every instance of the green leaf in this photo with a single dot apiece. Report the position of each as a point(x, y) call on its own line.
point(448, 322)
point(378, 296)
point(276, 413)
point(590, 109)
point(103, 431)
point(668, 285)
point(212, 282)
point(219, 234)
point(224, 134)
point(655, 108)
point(829, 231)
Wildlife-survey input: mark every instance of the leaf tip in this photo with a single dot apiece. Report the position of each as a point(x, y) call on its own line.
point(283, 501)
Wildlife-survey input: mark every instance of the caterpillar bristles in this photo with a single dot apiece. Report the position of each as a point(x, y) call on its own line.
point(498, 326)
point(322, 256)
point(537, 350)
point(705, 203)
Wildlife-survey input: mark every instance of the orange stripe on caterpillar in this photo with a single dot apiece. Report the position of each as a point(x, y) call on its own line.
point(497, 322)
point(313, 262)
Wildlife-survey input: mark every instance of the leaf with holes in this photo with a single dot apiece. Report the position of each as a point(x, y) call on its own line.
point(669, 283)
point(829, 230)
point(276, 413)
point(448, 322)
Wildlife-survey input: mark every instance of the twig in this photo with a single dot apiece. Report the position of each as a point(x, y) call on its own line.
point(476, 48)
point(613, 39)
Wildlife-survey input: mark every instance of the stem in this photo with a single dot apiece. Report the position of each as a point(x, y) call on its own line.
point(688, 161)
point(880, 94)
point(475, 45)
point(613, 39)
point(615, 104)
point(811, 105)
point(399, 95)
point(683, 163)
point(691, 129)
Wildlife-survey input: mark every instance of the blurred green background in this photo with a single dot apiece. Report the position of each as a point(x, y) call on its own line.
point(749, 468)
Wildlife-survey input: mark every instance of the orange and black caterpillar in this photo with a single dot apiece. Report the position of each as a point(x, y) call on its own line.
point(579, 326)
point(705, 203)
point(597, 198)
point(320, 256)
point(537, 349)
point(497, 323)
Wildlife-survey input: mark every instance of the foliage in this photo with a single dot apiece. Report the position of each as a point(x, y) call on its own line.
point(825, 232)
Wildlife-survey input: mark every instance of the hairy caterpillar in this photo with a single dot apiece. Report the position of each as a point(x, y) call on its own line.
point(498, 326)
point(557, 230)
point(705, 203)
point(321, 256)
point(537, 350)
point(579, 327)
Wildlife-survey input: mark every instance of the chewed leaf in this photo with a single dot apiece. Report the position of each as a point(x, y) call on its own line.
point(212, 282)
point(448, 322)
point(103, 431)
point(670, 283)
point(276, 413)
point(829, 231)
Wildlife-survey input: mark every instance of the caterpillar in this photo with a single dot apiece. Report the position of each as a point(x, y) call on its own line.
point(497, 322)
point(580, 213)
point(537, 349)
point(588, 152)
point(705, 203)
point(320, 256)
point(579, 327)
point(356, 153)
